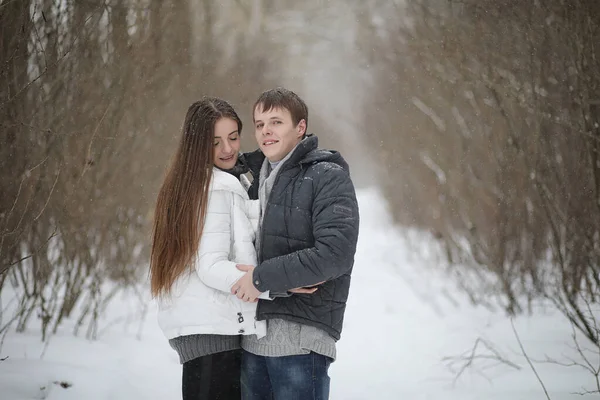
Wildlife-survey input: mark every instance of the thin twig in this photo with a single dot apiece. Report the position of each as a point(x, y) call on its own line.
point(49, 196)
point(5, 267)
point(469, 357)
point(512, 323)
point(89, 150)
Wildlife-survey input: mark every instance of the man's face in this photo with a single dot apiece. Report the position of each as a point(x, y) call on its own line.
point(275, 132)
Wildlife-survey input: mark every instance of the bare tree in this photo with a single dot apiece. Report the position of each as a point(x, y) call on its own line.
point(488, 124)
point(92, 98)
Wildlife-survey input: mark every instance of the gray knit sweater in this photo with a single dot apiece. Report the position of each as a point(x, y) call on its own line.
point(190, 347)
point(284, 338)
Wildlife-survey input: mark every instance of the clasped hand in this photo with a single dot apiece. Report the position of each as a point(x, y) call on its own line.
point(245, 290)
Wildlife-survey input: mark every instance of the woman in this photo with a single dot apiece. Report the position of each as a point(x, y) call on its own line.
point(205, 225)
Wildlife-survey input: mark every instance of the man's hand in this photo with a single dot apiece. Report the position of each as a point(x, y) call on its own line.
point(244, 289)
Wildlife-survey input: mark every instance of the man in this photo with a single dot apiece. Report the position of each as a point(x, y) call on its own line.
point(307, 237)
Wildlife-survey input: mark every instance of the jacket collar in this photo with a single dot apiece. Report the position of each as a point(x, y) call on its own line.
point(222, 180)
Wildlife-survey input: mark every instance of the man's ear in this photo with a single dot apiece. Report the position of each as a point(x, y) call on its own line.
point(301, 128)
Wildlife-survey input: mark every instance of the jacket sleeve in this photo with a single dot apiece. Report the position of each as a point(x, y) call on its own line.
point(335, 222)
point(212, 264)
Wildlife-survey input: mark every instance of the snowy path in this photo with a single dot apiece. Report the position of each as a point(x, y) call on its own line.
point(392, 346)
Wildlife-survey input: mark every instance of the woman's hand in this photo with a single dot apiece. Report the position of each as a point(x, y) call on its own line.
point(302, 290)
point(306, 290)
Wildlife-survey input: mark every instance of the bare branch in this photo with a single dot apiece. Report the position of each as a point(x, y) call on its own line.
point(528, 359)
point(467, 360)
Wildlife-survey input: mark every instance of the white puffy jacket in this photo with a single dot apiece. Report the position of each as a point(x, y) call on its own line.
point(200, 302)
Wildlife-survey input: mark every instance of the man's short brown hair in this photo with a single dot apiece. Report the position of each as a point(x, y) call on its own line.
point(286, 99)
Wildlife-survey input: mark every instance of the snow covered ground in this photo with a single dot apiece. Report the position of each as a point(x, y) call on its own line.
point(398, 329)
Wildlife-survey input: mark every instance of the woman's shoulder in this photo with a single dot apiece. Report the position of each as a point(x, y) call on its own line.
point(223, 181)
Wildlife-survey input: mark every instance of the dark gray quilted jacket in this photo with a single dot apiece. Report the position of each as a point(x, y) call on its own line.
point(309, 234)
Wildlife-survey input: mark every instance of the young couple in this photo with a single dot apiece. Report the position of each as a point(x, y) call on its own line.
point(252, 278)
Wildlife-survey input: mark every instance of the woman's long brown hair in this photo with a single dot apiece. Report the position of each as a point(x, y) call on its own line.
point(182, 200)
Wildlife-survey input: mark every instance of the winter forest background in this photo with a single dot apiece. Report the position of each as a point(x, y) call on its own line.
point(477, 120)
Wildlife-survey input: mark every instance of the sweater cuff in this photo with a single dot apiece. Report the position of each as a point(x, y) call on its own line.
point(274, 295)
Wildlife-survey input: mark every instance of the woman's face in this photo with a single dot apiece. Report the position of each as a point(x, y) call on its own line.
point(227, 143)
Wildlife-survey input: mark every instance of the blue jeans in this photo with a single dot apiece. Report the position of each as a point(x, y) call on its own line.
point(301, 377)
